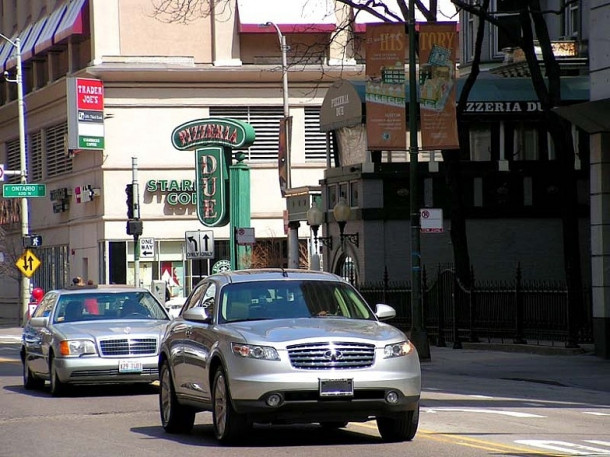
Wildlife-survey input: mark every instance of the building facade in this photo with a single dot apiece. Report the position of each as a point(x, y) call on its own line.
point(157, 74)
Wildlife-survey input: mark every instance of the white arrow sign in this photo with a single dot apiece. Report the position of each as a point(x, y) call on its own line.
point(199, 244)
point(147, 248)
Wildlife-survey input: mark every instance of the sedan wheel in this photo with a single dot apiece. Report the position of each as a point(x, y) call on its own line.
point(228, 424)
point(399, 428)
point(29, 380)
point(175, 417)
point(58, 388)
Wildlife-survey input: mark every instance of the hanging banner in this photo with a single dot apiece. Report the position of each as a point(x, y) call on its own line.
point(438, 43)
point(386, 50)
point(283, 167)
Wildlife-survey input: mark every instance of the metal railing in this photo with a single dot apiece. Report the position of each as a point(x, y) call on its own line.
point(517, 311)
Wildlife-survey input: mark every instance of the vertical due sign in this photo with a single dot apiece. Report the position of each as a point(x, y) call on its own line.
point(437, 72)
point(386, 48)
point(85, 114)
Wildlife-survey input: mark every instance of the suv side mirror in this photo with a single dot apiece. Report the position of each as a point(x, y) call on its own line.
point(197, 314)
point(384, 312)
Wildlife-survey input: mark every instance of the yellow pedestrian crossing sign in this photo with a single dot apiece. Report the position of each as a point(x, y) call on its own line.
point(28, 263)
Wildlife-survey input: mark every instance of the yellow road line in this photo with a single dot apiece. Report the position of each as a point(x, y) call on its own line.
point(5, 360)
point(469, 442)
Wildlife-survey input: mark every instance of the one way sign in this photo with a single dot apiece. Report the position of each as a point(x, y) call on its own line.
point(199, 244)
point(147, 248)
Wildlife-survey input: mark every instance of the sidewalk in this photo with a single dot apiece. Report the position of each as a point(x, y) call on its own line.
point(551, 366)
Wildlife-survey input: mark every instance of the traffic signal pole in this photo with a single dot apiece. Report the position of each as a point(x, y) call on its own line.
point(134, 224)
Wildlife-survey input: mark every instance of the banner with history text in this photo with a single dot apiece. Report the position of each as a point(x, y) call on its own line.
point(438, 44)
point(386, 50)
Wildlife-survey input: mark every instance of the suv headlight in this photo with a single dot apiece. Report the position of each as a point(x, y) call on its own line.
point(255, 351)
point(76, 348)
point(397, 349)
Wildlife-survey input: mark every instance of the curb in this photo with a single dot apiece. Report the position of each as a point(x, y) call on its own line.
point(525, 348)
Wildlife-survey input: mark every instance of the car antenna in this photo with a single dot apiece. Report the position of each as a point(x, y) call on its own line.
point(284, 273)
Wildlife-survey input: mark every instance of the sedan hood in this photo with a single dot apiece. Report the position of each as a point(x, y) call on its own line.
point(283, 330)
point(111, 329)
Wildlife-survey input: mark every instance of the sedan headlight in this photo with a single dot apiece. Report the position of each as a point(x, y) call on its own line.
point(397, 349)
point(75, 348)
point(255, 351)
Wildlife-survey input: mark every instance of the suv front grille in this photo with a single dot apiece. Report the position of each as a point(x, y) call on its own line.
point(129, 346)
point(323, 356)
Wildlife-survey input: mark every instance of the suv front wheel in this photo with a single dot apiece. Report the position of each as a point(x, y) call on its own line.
point(228, 424)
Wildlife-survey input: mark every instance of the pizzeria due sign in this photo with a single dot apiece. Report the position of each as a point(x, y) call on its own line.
point(213, 141)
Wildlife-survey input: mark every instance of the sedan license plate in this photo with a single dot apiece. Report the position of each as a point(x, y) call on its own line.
point(336, 387)
point(130, 366)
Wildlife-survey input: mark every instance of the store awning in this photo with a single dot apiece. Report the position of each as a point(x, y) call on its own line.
point(491, 89)
point(11, 58)
point(592, 117)
point(73, 22)
point(45, 39)
point(6, 51)
point(291, 16)
point(27, 48)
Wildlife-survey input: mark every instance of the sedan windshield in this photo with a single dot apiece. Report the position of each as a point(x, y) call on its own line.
point(103, 306)
point(291, 299)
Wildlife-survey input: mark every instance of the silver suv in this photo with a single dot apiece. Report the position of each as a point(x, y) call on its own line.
point(286, 346)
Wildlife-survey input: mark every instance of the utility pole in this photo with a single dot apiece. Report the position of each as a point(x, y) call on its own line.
point(25, 221)
point(419, 336)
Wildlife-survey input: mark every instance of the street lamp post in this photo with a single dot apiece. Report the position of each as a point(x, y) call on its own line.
point(293, 235)
point(418, 331)
point(25, 281)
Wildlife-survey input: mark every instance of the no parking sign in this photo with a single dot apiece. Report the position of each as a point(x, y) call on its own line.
point(431, 220)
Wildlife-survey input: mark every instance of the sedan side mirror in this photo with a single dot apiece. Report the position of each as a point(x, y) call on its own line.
point(197, 314)
point(384, 312)
point(39, 321)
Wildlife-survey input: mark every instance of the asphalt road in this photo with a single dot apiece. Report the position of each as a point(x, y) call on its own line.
point(474, 403)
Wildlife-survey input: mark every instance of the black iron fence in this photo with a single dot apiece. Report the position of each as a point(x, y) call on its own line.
point(516, 311)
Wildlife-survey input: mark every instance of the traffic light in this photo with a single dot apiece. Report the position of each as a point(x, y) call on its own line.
point(129, 201)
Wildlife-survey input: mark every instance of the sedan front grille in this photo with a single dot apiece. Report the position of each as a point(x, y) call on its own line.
point(336, 355)
point(129, 346)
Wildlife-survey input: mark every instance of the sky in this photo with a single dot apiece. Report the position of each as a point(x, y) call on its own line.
point(319, 11)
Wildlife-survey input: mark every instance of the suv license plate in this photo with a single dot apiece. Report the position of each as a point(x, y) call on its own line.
point(336, 387)
point(130, 366)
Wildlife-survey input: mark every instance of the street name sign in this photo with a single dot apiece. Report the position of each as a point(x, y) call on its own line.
point(199, 244)
point(23, 190)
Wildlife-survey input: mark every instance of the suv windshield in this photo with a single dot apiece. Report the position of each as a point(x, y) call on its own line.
point(291, 299)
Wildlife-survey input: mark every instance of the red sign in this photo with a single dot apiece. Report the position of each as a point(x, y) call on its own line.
point(89, 94)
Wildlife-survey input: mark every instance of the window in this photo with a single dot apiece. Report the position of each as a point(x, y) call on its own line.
point(315, 140)
point(266, 123)
point(470, 36)
point(507, 13)
point(480, 143)
point(13, 161)
point(35, 166)
point(571, 19)
point(58, 162)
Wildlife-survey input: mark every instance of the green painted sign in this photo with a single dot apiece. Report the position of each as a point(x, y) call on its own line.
point(213, 131)
point(212, 185)
point(24, 190)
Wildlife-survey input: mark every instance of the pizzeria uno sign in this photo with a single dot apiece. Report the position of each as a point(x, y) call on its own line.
point(213, 141)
